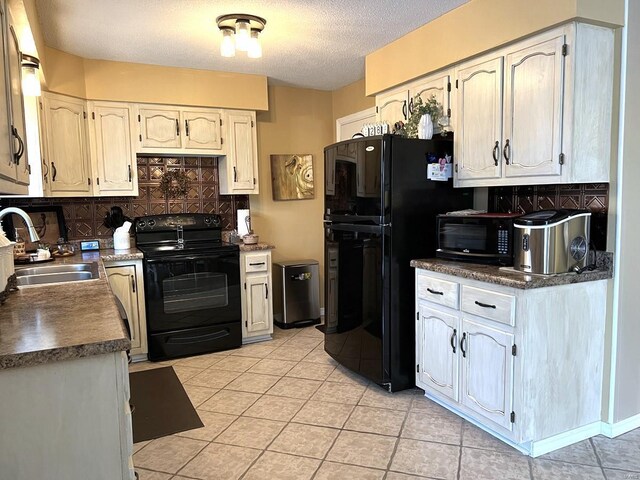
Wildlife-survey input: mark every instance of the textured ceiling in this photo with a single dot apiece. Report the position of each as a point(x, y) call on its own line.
point(315, 44)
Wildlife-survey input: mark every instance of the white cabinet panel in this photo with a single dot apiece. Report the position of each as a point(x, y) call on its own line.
point(257, 304)
point(239, 169)
point(438, 364)
point(489, 304)
point(19, 129)
point(478, 113)
point(393, 107)
point(487, 376)
point(438, 291)
point(202, 129)
point(159, 128)
point(534, 79)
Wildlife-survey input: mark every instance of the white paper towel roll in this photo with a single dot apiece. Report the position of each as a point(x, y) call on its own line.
point(242, 224)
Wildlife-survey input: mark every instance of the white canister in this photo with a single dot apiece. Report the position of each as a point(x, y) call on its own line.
point(121, 238)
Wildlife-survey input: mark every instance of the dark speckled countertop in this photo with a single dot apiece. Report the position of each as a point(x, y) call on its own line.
point(512, 278)
point(46, 323)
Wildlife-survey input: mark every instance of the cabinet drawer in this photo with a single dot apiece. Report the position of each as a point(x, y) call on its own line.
point(438, 291)
point(256, 263)
point(488, 304)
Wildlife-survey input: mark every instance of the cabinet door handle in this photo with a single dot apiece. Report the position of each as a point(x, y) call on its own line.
point(129, 168)
point(177, 128)
point(411, 107)
point(266, 287)
point(496, 152)
point(256, 264)
point(454, 340)
point(55, 172)
point(133, 284)
point(46, 169)
point(186, 127)
point(235, 175)
point(18, 155)
point(404, 109)
point(434, 292)
point(484, 305)
point(462, 343)
point(506, 151)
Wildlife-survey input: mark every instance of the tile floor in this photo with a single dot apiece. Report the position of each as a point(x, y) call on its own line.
point(284, 410)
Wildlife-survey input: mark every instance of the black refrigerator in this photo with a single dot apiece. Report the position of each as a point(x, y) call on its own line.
point(380, 213)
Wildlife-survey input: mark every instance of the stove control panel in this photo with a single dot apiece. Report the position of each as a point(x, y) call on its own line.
point(188, 221)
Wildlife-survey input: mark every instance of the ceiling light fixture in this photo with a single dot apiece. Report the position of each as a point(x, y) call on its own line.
point(30, 76)
point(241, 32)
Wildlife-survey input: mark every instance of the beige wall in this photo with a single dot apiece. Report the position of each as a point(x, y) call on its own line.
point(134, 82)
point(298, 121)
point(350, 99)
point(473, 28)
point(626, 400)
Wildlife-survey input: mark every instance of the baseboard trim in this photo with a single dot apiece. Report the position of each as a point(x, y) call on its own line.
point(565, 439)
point(612, 430)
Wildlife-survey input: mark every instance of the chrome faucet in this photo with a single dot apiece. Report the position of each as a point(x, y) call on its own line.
point(33, 235)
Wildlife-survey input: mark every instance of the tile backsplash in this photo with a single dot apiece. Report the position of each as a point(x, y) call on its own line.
point(590, 196)
point(84, 216)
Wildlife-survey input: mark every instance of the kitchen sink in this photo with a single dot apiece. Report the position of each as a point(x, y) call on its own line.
point(69, 272)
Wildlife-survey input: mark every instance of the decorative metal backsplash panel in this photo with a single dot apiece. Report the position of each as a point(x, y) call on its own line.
point(524, 199)
point(84, 216)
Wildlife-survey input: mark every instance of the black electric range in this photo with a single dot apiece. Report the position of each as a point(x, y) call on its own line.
point(192, 285)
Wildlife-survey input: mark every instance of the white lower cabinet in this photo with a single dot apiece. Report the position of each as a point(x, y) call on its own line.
point(256, 296)
point(127, 284)
point(523, 364)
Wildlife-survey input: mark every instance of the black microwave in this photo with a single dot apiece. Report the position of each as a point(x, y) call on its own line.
point(480, 238)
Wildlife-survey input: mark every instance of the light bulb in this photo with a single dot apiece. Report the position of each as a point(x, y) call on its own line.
point(227, 47)
point(242, 35)
point(30, 82)
point(255, 49)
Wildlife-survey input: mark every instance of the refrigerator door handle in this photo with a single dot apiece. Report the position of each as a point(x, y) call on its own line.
point(357, 228)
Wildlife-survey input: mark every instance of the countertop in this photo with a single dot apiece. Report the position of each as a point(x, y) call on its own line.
point(255, 248)
point(42, 324)
point(511, 278)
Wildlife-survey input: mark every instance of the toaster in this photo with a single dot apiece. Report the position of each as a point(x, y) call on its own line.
point(548, 242)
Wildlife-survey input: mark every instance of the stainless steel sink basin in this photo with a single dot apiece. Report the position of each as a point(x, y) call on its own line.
point(68, 272)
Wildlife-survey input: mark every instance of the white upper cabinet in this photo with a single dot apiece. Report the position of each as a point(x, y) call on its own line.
point(159, 129)
point(66, 153)
point(14, 167)
point(202, 129)
point(478, 110)
point(238, 171)
point(437, 85)
point(393, 106)
point(536, 112)
point(112, 148)
point(169, 129)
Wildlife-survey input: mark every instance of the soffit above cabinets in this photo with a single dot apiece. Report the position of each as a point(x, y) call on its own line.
point(306, 43)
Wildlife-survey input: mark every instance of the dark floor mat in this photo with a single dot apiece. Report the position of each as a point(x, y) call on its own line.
point(160, 405)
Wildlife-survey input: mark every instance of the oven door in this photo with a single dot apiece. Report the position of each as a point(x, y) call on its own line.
point(192, 290)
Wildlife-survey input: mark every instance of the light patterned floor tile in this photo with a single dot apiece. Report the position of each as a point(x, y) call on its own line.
point(324, 414)
point(475, 437)
point(320, 356)
point(140, 445)
point(375, 420)
point(229, 401)
point(339, 393)
point(199, 395)
point(253, 382)
point(343, 375)
point(335, 471)
point(214, 424)
point(581, 452)
point(200, 361)
point(304, 342)
point(185, 373)
point(310, 331)
point(275, 408)
point(295, 387)
point(375, 396)
point(168, 454)
point(551, 470)
point(363, 449)
point(270, 366)
point(220, 462)
point(311, 371)
point(489, 465)
point(426, 459)
point(150, 475)
point(273, 465)
point(402, 476)
point(444, 428)
point(611, 474)
point(213, 378)
point(632, 436)
point(255, 350)
point(616, 453)
point(251, 432)
point(288, 352)
point(304, 440)
point(236, 364)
